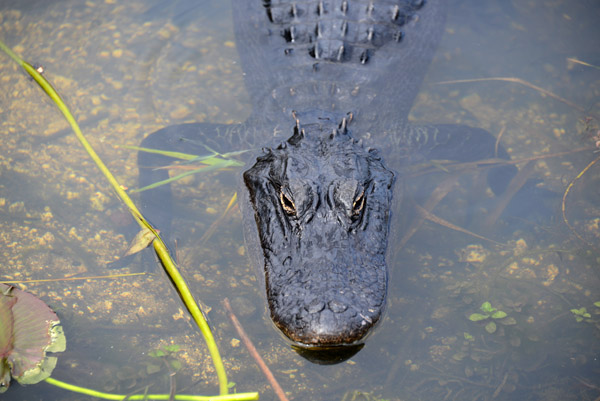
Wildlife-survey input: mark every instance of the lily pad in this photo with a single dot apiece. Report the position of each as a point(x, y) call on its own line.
point(29, 329)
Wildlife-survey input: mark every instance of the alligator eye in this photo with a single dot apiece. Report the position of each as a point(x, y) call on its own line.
point(287, 204)
point(358, 204)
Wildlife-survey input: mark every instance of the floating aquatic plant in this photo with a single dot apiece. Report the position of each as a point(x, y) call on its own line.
point(490, 312)
point(581, 314)
point(167, 356)
point(28, 330)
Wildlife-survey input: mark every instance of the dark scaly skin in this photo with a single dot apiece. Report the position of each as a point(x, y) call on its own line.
point(321, 201)
point(317, 207)
point(322, 209)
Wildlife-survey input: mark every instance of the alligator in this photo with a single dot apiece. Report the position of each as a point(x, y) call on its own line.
point(337, 78)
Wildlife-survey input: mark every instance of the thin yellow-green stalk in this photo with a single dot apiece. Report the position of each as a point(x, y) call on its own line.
point(159, 245)
point(119, 397)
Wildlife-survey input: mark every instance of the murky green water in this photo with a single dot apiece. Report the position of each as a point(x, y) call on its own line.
point(129, 68)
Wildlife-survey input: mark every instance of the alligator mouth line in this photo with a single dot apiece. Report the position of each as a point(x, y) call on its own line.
point(327, 355)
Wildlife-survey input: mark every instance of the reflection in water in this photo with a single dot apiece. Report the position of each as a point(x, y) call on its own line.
point(128, 69)
point(328, 355)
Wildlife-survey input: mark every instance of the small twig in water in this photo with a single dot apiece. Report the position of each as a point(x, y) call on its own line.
point(252, 349)
point(431, 217)
point(572, 60)
point(172, 380)
point(498, 139)
point(564, 201)
point(111, 276)
point(513, 187)
point(517, 81)
point(436, 197)
point(500, 386)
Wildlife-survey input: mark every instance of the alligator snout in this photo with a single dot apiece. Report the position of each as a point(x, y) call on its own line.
point(329, 302)
point(330, 324)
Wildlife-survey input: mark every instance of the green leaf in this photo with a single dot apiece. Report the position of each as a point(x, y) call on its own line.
point(468, 337)
point(175, 155)
point(151, 369)
point(172, 348)
point(157, 353)
point(42, 371)
point(217, 165)
point(509, 321)
point(490, 327)
point(58, 339)
point(176, 364)
point(6, 334)
point(213, 158)
point(4, 375)
point(476, 317)
point(141, 241)
point(487, 307)
point(597, 304)
point(579, 312)
point(499, 315)
point(578, 318)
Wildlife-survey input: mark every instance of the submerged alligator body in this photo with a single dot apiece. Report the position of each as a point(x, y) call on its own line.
point(332, 74)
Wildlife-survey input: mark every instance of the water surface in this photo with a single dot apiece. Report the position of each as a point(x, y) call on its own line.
point(127, 69)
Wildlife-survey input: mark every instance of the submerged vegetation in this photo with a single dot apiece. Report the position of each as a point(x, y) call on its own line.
point(431, 350)
point(494, 314)
point(42, 366)
point(582, 314)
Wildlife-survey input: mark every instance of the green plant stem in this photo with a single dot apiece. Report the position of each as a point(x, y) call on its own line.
point(159, 245)
point(183, 397)
point(11, 53)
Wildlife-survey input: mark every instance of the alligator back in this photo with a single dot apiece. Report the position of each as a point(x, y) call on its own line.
point(366, 57)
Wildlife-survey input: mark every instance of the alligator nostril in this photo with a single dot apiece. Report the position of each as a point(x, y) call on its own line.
point(315, 306)
point(337, 307)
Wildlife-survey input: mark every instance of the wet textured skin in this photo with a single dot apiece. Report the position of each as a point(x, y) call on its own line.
point(317, 206)
point(321, 201)
point(322, 205)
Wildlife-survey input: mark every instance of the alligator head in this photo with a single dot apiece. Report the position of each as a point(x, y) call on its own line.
point(322, 207)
